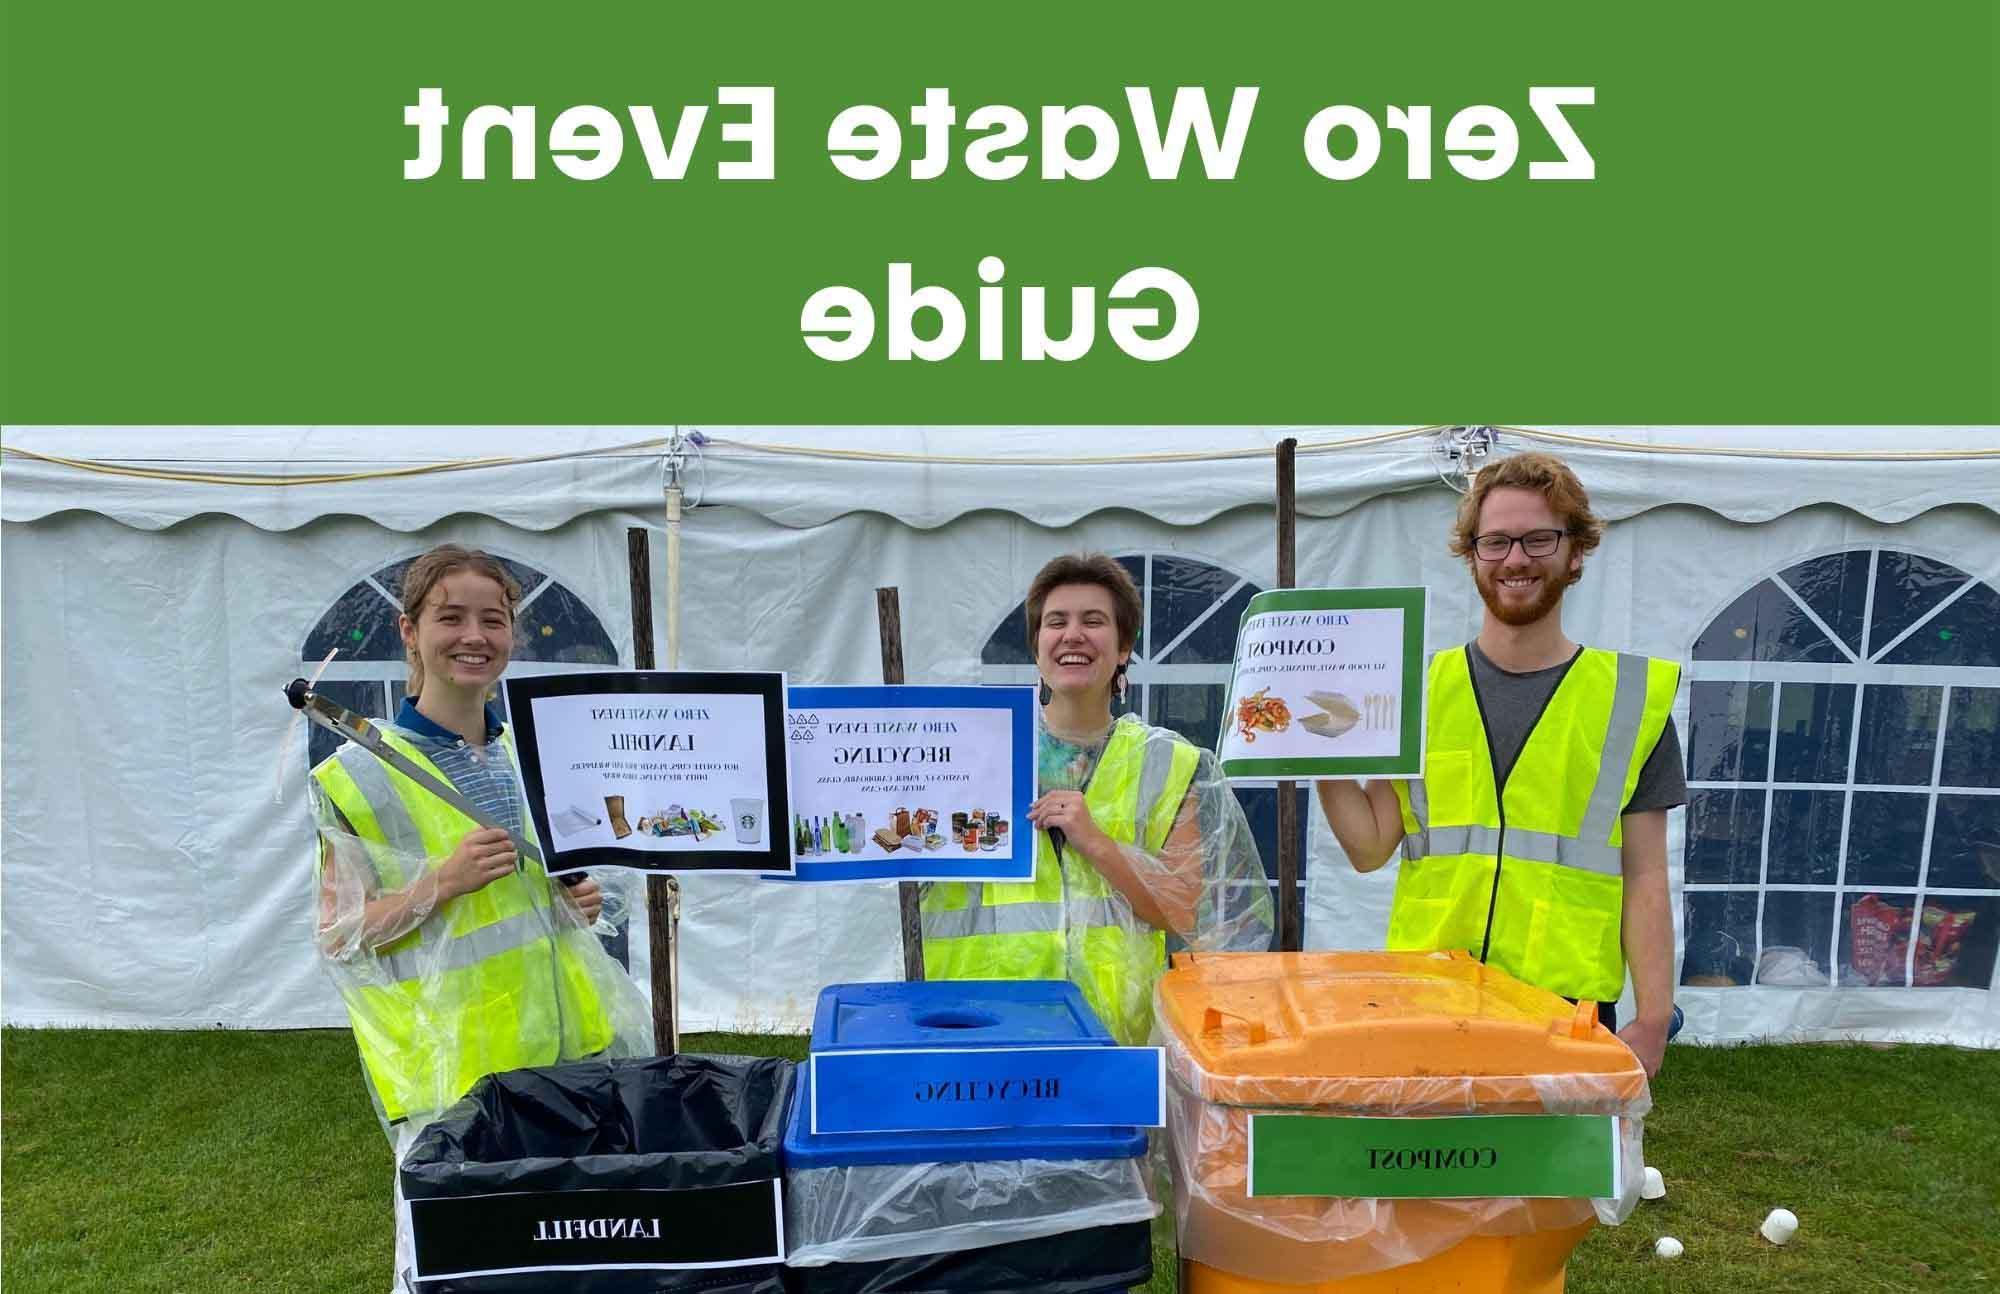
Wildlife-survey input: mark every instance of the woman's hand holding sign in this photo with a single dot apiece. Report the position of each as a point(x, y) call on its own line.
point(1065, 811)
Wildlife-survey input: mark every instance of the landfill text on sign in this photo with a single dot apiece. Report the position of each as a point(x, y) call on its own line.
point(597, 1229)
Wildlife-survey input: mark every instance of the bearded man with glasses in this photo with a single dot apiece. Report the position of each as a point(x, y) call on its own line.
point(1537, 837)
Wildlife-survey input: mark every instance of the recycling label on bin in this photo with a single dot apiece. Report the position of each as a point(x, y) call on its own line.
point(1459, 1157)
point(738, 1224)
point(962, 1089)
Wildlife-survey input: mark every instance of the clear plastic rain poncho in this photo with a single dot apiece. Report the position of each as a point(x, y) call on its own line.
point(1205, 877)
point(439, 996)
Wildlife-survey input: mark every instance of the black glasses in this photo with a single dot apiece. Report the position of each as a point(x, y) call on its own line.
point(1494, 547)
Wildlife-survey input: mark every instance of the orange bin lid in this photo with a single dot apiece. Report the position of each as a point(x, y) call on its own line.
point(1387, 1032)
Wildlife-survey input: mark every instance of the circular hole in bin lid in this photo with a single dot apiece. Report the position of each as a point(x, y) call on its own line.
point(957, 1017)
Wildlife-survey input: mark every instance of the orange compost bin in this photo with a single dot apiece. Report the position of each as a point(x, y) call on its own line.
point(1376, 1034)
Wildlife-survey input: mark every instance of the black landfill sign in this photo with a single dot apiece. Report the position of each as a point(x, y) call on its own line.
point(732, 1224)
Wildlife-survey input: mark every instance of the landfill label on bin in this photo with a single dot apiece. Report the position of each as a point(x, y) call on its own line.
point(1459, 1157)
point(964, 1089)
point(737, 1224)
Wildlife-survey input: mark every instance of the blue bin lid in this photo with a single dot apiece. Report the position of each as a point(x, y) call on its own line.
point(956, 1013)
point(802, 1149)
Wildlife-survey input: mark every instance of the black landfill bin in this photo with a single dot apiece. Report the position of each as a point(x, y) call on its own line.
point(609, 1177)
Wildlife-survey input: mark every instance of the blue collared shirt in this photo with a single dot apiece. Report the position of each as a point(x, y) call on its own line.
point(483, 774)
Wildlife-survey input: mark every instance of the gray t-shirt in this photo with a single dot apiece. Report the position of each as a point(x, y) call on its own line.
point(1513, 702)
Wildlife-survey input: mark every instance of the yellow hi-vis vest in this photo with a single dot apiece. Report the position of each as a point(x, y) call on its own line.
point(502, 993)
point(1530, 880)
point(1027, 929)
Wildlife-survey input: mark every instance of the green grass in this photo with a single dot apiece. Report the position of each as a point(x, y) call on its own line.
point(136, 1162)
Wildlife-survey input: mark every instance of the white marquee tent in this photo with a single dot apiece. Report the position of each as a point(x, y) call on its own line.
point(1833, 592)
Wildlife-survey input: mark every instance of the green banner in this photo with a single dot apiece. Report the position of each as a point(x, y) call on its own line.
point(512, 212)
point(1533, 1155)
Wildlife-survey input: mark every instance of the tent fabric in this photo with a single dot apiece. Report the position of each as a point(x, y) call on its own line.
point(152, 879)
point(540, 478)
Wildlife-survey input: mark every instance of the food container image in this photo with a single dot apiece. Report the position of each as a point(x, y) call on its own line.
point(1425, 1123)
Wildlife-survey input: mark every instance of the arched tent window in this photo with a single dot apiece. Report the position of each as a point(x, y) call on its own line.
point(552, 627)
point(1179, 677)
point(1844, 779)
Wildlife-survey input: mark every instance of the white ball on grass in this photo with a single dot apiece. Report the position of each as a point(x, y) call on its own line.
point(1779, 1226)
point(1668, 1247)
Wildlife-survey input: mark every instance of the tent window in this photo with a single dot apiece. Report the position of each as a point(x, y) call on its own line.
point(1179, 676)
point(1844, 779)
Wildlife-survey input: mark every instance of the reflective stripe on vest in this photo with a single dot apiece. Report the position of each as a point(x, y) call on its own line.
point(1022, 918)
point(1498, 887)
point(1535, 846)
point(464, 950)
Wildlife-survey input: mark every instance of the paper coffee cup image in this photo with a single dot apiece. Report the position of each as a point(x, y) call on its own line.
point(749, 816)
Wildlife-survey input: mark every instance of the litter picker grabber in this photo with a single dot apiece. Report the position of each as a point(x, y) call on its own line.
point(343, 722)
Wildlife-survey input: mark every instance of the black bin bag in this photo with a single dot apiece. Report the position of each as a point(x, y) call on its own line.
point(613, 1177)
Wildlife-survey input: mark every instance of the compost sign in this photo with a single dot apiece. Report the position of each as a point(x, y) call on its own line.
point(911, 783)
point(657, 771)
point(1328, 683)
point(1460, 1157)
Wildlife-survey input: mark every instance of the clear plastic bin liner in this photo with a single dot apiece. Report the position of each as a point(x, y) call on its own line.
point(1092, 1261)
point(868, 1212)
point(1302, 1239)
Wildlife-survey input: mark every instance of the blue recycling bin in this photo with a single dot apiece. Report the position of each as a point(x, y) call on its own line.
point(1056, 1208)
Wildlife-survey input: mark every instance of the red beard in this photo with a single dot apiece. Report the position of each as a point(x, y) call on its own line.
point(1518, 614)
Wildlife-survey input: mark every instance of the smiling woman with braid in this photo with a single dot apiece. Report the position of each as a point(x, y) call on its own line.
point(455, 956)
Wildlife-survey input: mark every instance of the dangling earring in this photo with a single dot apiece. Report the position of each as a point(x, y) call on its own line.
point(1047, 694)
point(1118, 675)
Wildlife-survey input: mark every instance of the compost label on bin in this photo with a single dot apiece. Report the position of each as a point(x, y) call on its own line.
point(738, 1224)
point(963, 1089)
point(1471, 1156)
